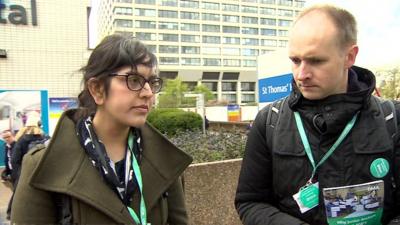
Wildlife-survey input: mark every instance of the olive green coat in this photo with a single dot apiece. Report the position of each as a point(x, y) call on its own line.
point(64, 167)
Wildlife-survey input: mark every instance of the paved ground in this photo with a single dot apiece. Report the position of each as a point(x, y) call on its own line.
point(5, 194)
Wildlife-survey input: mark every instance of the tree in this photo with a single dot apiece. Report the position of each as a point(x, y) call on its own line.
point(390, 86)
point(202, 89)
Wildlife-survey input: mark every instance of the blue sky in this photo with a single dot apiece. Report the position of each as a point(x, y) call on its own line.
point(378, 30)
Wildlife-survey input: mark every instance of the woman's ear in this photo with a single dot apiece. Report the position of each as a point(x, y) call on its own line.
point(96, 89)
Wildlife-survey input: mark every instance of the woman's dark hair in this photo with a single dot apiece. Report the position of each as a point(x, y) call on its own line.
point(113, 52)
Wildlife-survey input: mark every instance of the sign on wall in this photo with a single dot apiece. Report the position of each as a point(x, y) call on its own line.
point(233, 113)
point(274, 88)
point(57, 107)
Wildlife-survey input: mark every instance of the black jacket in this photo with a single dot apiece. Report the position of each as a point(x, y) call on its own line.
point(20, 149)
point(270, 176)
point(7, 158)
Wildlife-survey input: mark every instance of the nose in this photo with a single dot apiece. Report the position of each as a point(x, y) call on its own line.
point(146, 90)
point(303, 71)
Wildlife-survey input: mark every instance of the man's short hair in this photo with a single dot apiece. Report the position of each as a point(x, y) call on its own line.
point(344, 21)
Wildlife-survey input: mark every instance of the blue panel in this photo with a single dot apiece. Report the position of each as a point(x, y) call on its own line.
point(2, 153)
point(44, 100)
point(273, 88)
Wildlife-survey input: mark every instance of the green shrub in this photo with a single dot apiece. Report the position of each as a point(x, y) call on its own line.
point(170, 121)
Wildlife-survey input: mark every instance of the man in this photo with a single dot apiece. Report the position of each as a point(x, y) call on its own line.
point(330, 134)
point(9, 139)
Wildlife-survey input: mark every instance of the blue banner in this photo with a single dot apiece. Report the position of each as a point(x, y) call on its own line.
point(274, 88)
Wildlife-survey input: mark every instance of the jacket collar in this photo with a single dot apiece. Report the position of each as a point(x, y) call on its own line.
point(65, 168)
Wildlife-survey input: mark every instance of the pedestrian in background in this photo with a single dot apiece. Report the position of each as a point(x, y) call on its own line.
point(9, 139)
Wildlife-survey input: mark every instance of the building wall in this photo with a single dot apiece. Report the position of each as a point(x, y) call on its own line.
point(259, 26)
point(49, 55)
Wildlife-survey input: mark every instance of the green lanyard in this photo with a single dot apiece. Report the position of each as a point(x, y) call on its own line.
point(138, 175)
point(307, 147)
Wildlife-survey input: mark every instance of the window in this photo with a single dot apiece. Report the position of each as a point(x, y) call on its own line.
point(268, 21)
point(249, 30)
point(283, 43)
point(190, 27)
point(229, 86)
point(210, 5)
point(210, 76)
point(152, 48)
point(267, 11)
point(167, 26)
point(268, 32)
point(190, 15)
point(251, 20)
point(230, 76)
point(210, 16)
point(249, 9)
point(210, 50)
point(189, 4)
point(249, 41)
point(283, 33)
point(249, 52)
point(299, 3)
point(125, 33)
point(284, 23)
point(272, 2)
point(167, 14)
point(168, 49)
point(246, 98)
point(146, 36)
point(230, 7)
point(211, 62)
point(253, 1)
point(285, 2)
point(211, 28)
point(168, 2)
point(212, 86)
point(169, 60)
point(147, 2)
point(168, 37)
point(284, 12)
point(232, 62)
point(190, 38)
point(248, 86)
point(168, 74)
point(190, 50)
point(191, 85)
point(122, 23)
point(229, 97)
point(231, 19)
point(231, 51)
point(231, 29)
point(266, 51)
point(124, 1)
point(231, 40)
point(123, 11)
point(211, 39)
point(145, 12)
point(249, 63)
point(145, 24)
point(268, 42)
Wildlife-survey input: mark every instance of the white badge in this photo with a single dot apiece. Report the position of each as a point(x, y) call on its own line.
point(307, 197)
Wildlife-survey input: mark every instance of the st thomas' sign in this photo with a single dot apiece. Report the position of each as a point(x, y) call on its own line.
point(17, 14)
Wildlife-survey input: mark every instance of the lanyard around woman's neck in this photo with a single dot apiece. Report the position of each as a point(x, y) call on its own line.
point(138, 175)
point(307, 147)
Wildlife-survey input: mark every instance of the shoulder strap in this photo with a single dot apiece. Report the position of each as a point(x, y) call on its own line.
point(389, 112)
point(273, 116)
point(63, 208)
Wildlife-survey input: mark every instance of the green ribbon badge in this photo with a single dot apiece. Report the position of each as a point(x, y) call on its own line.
point(379, 167)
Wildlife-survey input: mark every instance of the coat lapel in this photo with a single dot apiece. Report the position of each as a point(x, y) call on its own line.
point(65, 168)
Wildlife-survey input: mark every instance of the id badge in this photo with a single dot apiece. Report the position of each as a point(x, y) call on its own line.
point(307, 197)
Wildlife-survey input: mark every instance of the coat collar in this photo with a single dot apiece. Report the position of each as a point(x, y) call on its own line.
point(65, 168)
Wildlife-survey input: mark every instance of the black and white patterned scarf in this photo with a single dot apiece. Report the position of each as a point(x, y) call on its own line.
point(96, 151)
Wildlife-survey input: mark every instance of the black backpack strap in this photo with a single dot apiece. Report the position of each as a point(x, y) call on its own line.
point(389, 112)
point(63, 209)
point(273, 116)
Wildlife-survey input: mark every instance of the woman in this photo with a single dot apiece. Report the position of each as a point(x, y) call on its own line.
point(104, 163)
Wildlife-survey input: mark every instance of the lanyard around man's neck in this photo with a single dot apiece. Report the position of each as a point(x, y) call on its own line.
point(307, 147)
point(138, 175)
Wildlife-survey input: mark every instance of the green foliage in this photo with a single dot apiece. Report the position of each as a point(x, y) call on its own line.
point(214, 146)
point(390, 87)
point(171, 121)
point(202, 89)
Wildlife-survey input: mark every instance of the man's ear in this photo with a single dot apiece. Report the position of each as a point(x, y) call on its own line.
point(96, 89)
point(351, 56)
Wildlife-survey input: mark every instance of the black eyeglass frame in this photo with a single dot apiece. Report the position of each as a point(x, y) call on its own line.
point(126, 75)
